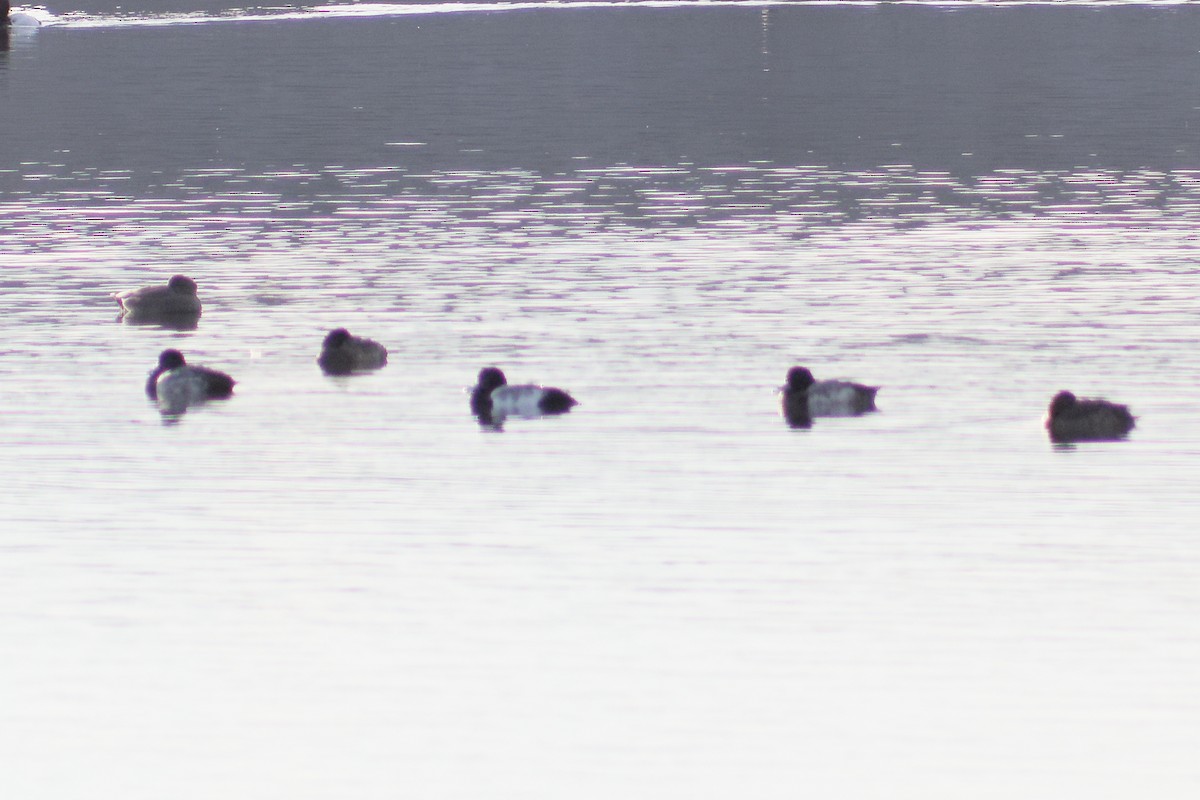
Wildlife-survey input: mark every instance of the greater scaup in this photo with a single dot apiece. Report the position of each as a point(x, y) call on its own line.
point(805, 398)
point(176, 384)
point(492, 398)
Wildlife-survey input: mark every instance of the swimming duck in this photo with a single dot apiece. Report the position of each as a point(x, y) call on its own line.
point(1074, 420)
point(151, 303)
point(493, 399)
point(175, 383)
point(805, 398)
point(342, 353)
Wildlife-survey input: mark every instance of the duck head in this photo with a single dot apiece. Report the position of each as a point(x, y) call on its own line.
point(799, 379)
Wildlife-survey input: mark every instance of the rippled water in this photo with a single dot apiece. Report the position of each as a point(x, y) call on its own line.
point(335, 587)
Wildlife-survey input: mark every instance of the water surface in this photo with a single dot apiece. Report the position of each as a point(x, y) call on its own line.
point(346, 587)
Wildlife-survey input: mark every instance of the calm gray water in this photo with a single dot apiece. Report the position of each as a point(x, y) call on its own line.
point(346, 588)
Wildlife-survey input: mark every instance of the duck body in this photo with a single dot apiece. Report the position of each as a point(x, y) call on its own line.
point(342, 353)
point(493, 398)
point(174, 382)
point(805, 397)
point(1072, 419)
point(176, 299)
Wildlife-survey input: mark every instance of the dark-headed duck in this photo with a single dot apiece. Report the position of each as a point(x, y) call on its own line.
point(342, 353)
point(493, 398)
point(1074, 420)
point(805, 398)
point(177, 384)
